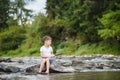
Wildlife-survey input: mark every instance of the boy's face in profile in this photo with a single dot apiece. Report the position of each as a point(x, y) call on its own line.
point(48, 42)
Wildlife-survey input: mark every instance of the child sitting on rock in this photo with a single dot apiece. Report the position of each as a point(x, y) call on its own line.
point(46, 53)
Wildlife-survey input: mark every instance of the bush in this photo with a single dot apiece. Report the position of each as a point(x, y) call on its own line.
point(11, 38)
point(67, 47)
point(111, 25)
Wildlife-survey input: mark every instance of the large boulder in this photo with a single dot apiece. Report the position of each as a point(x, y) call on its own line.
point(63, 64)
point(8, 69)
point(76, 65)
point(60, 65)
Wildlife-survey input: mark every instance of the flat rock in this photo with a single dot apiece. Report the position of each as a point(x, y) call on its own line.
point(8, 69)
point(84, 63)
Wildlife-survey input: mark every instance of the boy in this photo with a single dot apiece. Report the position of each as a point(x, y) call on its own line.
point(46, 53)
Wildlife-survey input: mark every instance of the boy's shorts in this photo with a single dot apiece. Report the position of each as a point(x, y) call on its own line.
point(51, 60)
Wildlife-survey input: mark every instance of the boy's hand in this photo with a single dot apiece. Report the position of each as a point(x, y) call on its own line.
point(52, 55)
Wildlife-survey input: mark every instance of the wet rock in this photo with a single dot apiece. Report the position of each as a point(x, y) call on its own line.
point(100, 66)
point(56, 66)
point(89, 67)
point(32, 69)
point(27, 66)
point(5, 60)
point(20, 61)
point(2, 73)
point(76, 62)
point(64, 64)
point(7, 68)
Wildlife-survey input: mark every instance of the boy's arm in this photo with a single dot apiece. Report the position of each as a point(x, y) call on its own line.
point(52, 55)
point(41, 54)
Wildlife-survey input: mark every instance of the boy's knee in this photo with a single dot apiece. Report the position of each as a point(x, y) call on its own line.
point(47, 60)
point(43, 60)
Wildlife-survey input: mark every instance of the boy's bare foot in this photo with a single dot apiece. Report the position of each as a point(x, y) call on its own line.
point(47, 72)
point(39, 72)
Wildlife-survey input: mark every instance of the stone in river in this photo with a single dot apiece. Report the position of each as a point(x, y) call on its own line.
point(7, 68)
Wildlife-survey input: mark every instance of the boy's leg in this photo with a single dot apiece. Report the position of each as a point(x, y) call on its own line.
point(48, 65)
point(42, 65)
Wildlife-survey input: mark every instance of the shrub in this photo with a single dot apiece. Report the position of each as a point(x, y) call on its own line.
point(11, 38)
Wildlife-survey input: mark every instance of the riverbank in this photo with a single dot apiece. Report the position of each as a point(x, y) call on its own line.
point(22, 68)
point(85, 63)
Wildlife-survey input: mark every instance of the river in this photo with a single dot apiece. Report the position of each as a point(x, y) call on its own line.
point(87, 76)
point(67, 76)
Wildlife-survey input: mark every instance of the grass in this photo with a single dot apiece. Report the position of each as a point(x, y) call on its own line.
point(91, 48)
point(67, 48)
point(96, 49)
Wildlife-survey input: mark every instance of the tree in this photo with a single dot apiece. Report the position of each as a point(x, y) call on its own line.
point(111, 25)
point(11, 38)
point(18, 11)
point(4, 13)
point(79, 17)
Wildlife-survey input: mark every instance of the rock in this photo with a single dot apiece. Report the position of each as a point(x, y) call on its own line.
point(76, 62)
point(56, 66)
point(65, 64)
point(7, 68)
point(100, 66)
point(20, 61)
point(5, 60)
point(2, 73)
point(32, 69)
point(61, 66)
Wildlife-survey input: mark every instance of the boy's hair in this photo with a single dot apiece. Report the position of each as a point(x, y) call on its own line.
point(47, 38)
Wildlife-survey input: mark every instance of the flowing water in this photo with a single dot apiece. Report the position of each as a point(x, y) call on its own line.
point(87, 76)
point(68, 76)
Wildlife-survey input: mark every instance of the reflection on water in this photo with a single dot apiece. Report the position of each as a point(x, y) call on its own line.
point(87, 76)
point(45, 77)
point(65, 76)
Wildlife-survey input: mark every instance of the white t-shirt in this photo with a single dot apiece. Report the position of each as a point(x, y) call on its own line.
point(46, 51)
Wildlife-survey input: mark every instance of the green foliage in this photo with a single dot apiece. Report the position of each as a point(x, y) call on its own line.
point(77, 17)
point(89, 48)
point(76, 26)
point(67, 48)
point(19, 13)
point(11, 38)
point(97, 48)
point(111, 25)
point(4, 7)
point(42, 26)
